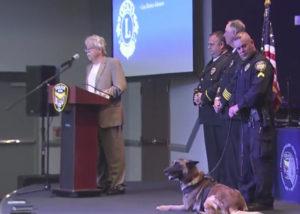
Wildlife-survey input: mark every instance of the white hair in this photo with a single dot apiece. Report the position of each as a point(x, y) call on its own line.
point(97, 41)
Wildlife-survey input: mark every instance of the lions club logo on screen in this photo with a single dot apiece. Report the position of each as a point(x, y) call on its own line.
point(289, 168)
point(127, 28)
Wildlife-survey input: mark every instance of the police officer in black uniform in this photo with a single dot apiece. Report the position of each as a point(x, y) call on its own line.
point(231, 158)
point(253, 101)
point(204, 96)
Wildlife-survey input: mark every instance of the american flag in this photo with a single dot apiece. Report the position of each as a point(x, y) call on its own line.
point(268, 49)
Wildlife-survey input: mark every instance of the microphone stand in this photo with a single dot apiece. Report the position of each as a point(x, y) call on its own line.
point(62, 69)
point(59, 71)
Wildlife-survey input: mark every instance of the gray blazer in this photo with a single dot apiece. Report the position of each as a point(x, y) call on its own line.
point(110, 77)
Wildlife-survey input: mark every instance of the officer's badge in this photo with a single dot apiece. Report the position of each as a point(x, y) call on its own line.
point(247, 67)
point(212, 71)
point(60, 96)
point(201, 73)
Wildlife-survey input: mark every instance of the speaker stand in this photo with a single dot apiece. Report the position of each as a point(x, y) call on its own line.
point(45, 151)
point(45, 83)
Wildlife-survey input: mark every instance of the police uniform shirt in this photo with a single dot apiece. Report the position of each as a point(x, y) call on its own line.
point(211, 75)
point(228, 79)
point(254, 83)
point(208, 87)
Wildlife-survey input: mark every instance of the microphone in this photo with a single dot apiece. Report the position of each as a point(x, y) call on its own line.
point(70, 61)
point(100, 92)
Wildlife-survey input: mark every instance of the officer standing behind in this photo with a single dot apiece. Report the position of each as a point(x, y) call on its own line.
point(204, 96)
point(253, 101)
point(231, 127)
point(226, 84)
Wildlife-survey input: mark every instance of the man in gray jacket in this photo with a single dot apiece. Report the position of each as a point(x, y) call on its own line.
point(105, 76)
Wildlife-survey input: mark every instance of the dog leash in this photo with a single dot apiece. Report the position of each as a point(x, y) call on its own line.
point(224, 149)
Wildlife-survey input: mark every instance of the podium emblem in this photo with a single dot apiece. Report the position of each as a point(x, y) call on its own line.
point(60, 96)
point(289, 168)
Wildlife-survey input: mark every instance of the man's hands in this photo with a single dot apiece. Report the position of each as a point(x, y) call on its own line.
point(233, 110)
point(217, 104)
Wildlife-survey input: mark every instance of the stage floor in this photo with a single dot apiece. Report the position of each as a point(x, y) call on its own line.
point(140, 198)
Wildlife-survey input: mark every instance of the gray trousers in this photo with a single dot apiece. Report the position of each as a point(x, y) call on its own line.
point(111, 157)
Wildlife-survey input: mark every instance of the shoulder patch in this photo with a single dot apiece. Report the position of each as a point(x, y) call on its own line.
point(261, 66)
point(260, 74)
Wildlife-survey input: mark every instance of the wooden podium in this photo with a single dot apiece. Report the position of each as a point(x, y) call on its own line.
point(79, 144)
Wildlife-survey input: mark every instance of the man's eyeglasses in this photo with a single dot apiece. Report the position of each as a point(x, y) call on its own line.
point(89, 49)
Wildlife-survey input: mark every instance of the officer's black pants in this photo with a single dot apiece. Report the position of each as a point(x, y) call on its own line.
point(231, 159)
point(216, 137)
point(257, 165)
point(214, 143)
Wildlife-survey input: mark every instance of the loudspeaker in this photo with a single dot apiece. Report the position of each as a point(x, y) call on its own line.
point(36, 103)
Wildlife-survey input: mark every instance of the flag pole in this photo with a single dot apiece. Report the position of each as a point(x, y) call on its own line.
point(268, 48)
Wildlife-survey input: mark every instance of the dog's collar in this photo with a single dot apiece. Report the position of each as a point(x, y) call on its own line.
point(187, 188)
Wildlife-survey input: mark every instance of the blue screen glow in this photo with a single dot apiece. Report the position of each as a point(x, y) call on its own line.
point(153, 36)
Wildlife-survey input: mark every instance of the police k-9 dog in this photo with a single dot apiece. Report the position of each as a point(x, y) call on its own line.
point(201, 193)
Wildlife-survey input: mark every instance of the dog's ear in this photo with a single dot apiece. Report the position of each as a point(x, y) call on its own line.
point(190, 164)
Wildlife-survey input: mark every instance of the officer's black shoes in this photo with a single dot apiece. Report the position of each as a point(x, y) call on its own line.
point(259, 207)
